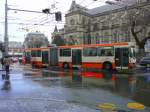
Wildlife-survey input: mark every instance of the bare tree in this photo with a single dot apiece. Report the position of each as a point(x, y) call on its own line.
point(139, 22)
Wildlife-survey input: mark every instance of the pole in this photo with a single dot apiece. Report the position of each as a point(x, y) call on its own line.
point(6, 31)
point(27, 10)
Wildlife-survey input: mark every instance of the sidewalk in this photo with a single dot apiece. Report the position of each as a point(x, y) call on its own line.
point(25, 95)
point(40, 105)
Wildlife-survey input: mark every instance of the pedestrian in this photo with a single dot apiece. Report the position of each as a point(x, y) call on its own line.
point(7, 62)
point(2, 62)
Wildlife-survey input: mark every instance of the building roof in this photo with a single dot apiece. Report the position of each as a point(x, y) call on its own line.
point(103, 8)
point(74, 6)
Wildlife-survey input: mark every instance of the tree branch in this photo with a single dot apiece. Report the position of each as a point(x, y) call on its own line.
point(139, 30)
point(134, 34)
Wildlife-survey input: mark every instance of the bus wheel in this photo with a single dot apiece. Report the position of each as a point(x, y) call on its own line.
point(107, 66)
point(65, 65)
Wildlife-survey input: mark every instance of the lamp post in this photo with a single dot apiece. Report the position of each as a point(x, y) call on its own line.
point(6, 39)
point(6, 31)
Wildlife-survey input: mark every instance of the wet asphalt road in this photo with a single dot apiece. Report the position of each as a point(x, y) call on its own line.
point(34, 90)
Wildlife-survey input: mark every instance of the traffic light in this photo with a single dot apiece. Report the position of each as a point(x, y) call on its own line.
point(58, 16)
point(47, 11)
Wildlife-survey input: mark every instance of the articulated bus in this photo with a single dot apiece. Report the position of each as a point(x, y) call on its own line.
point(49, 56)
point(41, 57)
point(100, 56)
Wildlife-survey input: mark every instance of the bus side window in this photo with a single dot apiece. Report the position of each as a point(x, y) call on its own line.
point(66, 52)
point(94, 51)
point(38, 53)
point(109, 52)
point(90, 51)
point(101, 52)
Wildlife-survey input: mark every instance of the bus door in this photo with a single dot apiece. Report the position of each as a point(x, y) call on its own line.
point(45, 57)
point(76, 57)
point(53, 56)
point(122, 57)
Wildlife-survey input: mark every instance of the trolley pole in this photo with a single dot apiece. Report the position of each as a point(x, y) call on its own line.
point(6, 41)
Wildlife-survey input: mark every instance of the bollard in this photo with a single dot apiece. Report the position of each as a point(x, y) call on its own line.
point(7, 77)
point(3, 76)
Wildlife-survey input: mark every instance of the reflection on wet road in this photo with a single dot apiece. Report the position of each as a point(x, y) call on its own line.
point(91, 88)
point(81, 88)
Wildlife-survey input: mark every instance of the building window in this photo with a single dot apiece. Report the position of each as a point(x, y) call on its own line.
point(115, 36)
point(84, 40)
point(83, 21)
point(72, 21)
point(97, 38)
point(95, 27)
point(89, 39)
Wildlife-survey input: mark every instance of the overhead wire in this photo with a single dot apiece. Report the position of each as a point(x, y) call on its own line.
point(89, 4)
point(81, 1)
point(36, 17)
point(35, 21)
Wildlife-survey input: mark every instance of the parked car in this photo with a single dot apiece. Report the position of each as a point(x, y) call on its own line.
point(14, 59)
point(20, 60)
point(145, 61)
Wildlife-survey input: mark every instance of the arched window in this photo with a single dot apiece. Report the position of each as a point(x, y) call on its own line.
point(95, 27)
point(89, 39)
point(97, 38)
point(83, 21)
point(72, 21)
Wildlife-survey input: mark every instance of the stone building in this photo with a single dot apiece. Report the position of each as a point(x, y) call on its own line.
point(104, 24)
point(58, 37)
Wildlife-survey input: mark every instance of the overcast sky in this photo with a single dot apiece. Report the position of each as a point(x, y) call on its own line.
point(20, 22)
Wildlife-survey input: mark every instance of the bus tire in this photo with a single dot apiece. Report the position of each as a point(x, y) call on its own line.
point(66, 65)
point(107, 66)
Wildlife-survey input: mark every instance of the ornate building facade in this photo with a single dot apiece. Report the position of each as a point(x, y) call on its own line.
point(104, 24)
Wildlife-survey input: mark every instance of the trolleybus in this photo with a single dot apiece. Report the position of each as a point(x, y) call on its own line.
point(108, 56)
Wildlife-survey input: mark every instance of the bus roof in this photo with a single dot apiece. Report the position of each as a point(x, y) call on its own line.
point(35, 48)
point(95, 45)
point(86, 45)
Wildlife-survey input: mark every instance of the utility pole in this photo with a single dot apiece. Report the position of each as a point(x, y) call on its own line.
point(6, 41)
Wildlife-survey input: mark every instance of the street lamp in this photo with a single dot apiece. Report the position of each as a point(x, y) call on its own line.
point(6, 39)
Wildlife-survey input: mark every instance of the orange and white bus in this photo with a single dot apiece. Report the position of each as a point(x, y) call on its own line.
point(26, 58)
point(49, 56)
point(41, 57)
point(36, 59)
point(101, 56)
